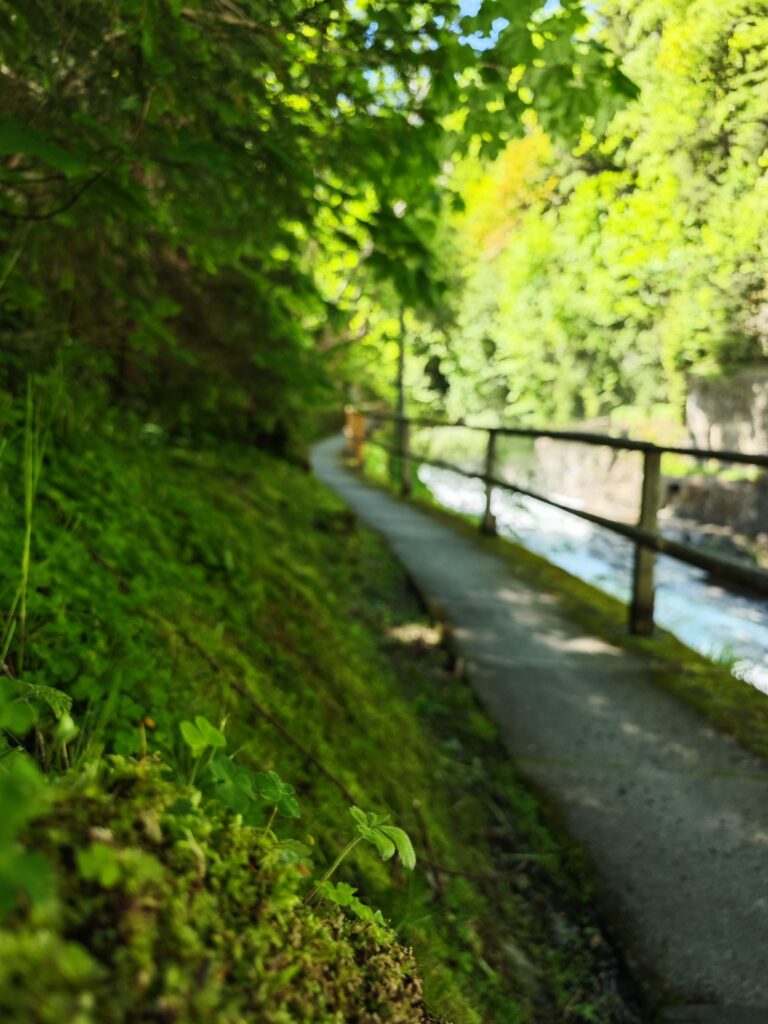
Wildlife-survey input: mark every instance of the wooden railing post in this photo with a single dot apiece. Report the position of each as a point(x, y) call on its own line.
point(405, 457)
point(641, 608)
point(488, 522)
point(354, 431)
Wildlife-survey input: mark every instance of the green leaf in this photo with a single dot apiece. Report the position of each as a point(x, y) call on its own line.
point(289, 851)
point(360, 816)
point(17, 716)
point(24, 794)
point(58, 701)
point(386, 838)
point(233, 786)
point(19, 138)
point(344, 895)
point(366, 913)
point(223, 769)
point(192, 737)
point(99, 863)
point(201, 734)
point(383, 844)
point(271, 787)
point(27, 871)
point(212, 736)
point(341, 894)
point(288, 807)
point(405, 850)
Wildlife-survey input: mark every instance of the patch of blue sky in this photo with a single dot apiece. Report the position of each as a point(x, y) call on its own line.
point(467, 9)
point(470, 7)
point(479, 41)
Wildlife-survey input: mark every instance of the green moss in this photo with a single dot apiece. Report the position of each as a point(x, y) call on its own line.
point(202, 923)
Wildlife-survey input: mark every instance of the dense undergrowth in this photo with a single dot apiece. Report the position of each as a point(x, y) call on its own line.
point(165, 583)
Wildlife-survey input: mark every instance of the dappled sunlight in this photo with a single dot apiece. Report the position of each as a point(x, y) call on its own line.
point(416, 634)
point(522, 597)
point(587, 645)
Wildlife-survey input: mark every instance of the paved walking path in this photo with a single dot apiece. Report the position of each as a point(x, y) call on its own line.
point(672, 814)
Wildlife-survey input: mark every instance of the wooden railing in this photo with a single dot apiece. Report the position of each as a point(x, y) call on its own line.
point(645, 534)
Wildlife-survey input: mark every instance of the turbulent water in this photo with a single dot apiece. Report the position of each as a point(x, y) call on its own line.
point(707, 617)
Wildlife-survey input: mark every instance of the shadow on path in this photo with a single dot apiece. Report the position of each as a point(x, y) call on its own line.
point(672, 814)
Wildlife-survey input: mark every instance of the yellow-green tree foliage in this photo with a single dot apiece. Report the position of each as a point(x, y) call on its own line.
point(600, 276)
point(186, 188)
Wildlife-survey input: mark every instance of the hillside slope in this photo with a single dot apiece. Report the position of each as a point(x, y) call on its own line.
point(167, 583)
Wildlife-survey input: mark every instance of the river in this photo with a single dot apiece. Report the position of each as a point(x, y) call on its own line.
point(719, 623)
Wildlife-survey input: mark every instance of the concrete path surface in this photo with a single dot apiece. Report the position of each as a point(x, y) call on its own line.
point(672, 814)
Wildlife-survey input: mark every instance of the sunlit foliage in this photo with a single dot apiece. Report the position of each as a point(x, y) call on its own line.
point(599, 276)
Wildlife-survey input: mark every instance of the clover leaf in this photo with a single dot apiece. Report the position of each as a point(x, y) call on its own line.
point(233, 787)
point(200, 734)
point(278, 794)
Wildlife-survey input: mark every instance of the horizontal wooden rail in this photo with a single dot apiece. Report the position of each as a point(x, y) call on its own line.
point(606, 440)
point(727, 568)
point(644, 535)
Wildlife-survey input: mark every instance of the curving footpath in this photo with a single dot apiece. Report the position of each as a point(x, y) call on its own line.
point(672, 814)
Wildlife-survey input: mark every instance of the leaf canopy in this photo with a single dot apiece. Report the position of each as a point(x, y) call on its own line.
point(179, 183)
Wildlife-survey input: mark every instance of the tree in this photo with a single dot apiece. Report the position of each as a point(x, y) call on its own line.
point(177, 178)
point(637, 256)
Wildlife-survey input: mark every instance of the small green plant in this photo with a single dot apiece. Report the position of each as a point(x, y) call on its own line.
point(278, 794)
point(234, 786)
point(17, 715)
point(26, 706)
point(248, 792)
point(372, 828)
point(109, 866)
point(200, 736)
point(99, 863)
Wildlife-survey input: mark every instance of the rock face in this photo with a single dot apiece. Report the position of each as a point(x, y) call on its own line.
point(741, 505)
point(730, 412)
point(601, 480)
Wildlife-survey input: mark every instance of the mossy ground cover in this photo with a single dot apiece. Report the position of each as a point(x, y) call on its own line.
point(729, 703)
point(168, 582)
point(170, 911)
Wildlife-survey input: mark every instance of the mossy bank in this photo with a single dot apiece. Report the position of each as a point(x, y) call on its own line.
point(167, 583)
